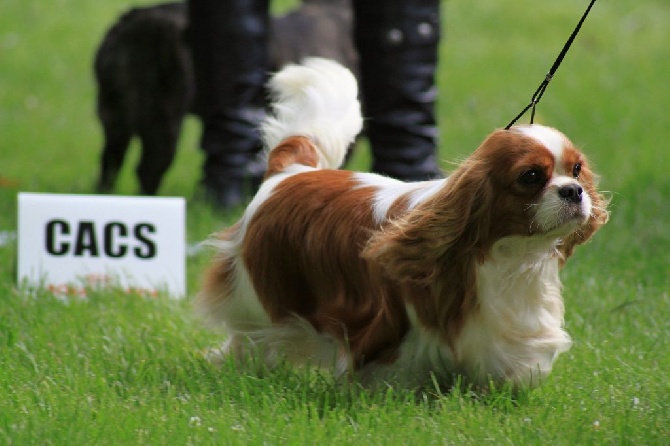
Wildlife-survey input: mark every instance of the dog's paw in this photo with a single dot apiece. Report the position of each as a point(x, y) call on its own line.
point(215, 356)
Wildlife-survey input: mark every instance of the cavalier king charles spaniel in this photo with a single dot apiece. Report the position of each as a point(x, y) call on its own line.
point(408, 283)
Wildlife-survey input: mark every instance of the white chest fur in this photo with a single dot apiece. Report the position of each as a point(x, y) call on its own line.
point(514, 334)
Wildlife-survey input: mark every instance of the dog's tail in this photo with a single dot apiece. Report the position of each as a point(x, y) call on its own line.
point(315, 115)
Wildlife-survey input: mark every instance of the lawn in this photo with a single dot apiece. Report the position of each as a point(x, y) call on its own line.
point(114, 369)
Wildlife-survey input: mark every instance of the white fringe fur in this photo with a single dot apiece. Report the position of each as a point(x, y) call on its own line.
point(319, 100)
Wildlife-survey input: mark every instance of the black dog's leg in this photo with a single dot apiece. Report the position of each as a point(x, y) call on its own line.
point(117, 139)
point(159, 145)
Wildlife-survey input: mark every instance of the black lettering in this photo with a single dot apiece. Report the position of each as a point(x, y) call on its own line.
point(141, 231)
point(112, 249)
point(63, 228)
point(86, 240)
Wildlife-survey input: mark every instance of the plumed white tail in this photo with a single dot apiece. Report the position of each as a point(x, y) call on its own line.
point(319, 100)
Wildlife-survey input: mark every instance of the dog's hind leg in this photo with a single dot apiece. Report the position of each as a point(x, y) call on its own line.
point(117, 139)
point(159, 145)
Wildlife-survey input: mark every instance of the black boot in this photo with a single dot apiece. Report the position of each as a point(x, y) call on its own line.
point(398, 45)
point(229, 46)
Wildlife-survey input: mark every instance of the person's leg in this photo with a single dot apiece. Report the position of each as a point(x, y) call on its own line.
point(229, 47)
point(398, 43)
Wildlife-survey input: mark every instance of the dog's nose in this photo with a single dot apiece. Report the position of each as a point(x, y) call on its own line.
point(571, 192)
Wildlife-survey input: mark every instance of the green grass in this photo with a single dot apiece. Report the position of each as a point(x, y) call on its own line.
point(118, 370)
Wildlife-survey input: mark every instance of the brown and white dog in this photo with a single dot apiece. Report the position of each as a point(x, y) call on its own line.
point(399, 281)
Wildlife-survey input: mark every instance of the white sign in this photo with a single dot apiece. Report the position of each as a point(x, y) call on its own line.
point(71, 243)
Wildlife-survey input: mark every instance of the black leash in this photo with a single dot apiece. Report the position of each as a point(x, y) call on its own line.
point(545, 83)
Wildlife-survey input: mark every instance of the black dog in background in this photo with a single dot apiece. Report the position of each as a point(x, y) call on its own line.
point(145, 77)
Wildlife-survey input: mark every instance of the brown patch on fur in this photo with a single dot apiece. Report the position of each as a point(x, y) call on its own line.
point(571, 157)
point(506, 156)
point(302, 250)
point(398, 208)
point(293, 150)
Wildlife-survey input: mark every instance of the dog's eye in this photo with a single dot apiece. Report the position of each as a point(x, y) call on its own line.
point(531, 177)
point(576, 170)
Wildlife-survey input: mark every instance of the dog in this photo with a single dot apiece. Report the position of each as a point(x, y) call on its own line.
point(146, 86)
point(395, 282)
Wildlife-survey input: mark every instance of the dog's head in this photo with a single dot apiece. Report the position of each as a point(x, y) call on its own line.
point(528, 181)
point(538, 184)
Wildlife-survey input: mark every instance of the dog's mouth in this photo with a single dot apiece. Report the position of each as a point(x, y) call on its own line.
point(563, 219)
point(566, 227)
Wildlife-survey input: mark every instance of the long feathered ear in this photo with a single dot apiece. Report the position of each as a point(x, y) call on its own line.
point(442, 233)
point(599, 216)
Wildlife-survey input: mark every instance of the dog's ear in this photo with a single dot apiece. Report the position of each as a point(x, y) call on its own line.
point(599, 215)
point(435, 248)
point(441, 234)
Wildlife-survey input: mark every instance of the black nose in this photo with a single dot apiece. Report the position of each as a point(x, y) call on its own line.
point(571, 192)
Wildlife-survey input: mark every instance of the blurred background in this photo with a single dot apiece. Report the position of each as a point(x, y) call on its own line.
point(609, 96)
